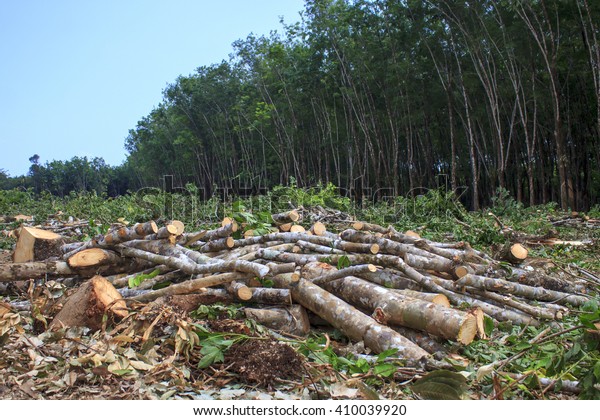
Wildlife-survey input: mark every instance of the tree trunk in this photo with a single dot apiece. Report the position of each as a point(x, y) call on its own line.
point(351, 322)
point(399, 310)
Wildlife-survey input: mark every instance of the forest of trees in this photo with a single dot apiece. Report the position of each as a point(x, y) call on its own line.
point(383, 95)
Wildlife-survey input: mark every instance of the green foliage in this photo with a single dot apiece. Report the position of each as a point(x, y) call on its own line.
point(217, 311)
point(343, 262)
point(313, 349)
point(565, 353)
point(441, 385)
point(260, 221)
point(215, 345)
point(140, 278)
point(321, 195)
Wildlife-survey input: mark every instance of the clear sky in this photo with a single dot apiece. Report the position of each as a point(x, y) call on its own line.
point(76, 76)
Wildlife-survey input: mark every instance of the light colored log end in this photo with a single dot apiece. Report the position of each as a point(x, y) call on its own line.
point(297, 228)
point(318, 229)
point(468, 330)
point(358, 225)
point(285, 227)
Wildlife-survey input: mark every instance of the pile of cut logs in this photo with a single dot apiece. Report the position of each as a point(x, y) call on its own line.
point(376, 285)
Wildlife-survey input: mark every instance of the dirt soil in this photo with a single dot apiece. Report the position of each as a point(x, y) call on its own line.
point(264, 362)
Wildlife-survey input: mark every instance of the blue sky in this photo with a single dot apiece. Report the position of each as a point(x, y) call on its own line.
point(75, 76)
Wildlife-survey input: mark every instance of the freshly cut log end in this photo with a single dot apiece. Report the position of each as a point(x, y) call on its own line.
point(479, 318)
point(468, 330)
point(358, 225)
point(318, 229)
point(437, 298)
point(515, 254)
point(147, 228)
point(374, 248)
point(89, 304)
point(286, 217)
point(462, 270)
point(412, 234)
point(172, 229)
point(239, 291)
point(297, 228)
point(36, 245)
point(227, 221)
point(249, 233)
point(179, 225)
point(285, 227)
point(92, 257)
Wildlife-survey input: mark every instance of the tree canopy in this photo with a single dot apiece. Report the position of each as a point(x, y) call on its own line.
point(385, 97)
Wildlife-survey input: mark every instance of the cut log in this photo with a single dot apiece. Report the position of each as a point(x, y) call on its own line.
point(123, 234)
point(227, 221)
point(239, 291)
point(34, 270)
point(36, 245)
point(285, 227)
point(370, 227)
point(222, 232)
point(297, 229)
point(391, 279)
point(437, 298)
point(515, 253)
point(440, 264)
point(529, 292)
point(208, 296)
point(332, 275)
point(423, 340)
point(88, 306)
point(460, 271)
point(270, 296)
point(318, 229)
point(94, 257)
point(179, 225)
point(286, 217)
point(291, 320)
point(192, 286)
point(399, 310)
point(46, 269)
point(353, 323)
point(166, 232)
point(218, 245)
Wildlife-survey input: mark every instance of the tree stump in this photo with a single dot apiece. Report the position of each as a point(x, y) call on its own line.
point(36, 245)
point(89, 304)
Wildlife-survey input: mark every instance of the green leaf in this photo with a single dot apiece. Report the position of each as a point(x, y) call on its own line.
point(121, 372)
point(211, 355)
point(343, 262)
point(488, 325)
point(140, 278)
point(597, 370)
point(384, 369)
point(441, 385)
point(267, 282)
point(386, 353)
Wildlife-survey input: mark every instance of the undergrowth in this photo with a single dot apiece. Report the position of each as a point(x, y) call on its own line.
point(563, 352)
